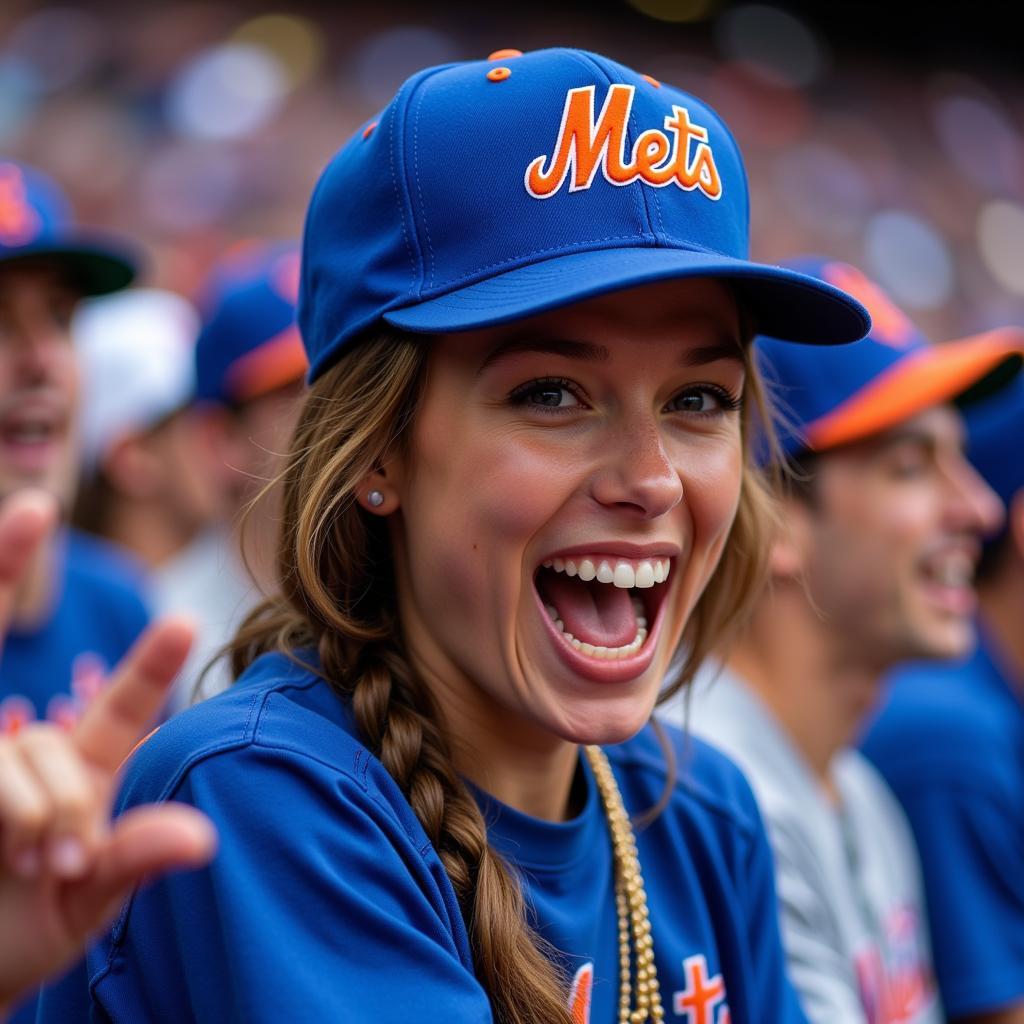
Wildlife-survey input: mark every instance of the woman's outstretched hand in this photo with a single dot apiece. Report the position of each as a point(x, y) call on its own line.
point(65, 868)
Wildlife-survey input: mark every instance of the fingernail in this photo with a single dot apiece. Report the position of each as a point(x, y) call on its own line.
point(67, 857)
point(26, 862)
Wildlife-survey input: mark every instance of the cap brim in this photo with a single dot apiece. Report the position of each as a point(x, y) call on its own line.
point(782, 302)
point(956, 371)
point(97, 266)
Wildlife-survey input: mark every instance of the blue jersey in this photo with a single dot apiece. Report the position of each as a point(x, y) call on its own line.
point(327, 902)
point(51, 672)
point(950, 742)
point(97, 611)
point(54, 670)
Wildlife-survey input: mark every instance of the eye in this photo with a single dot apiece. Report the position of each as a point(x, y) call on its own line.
point(704, 399)
point(549, 393)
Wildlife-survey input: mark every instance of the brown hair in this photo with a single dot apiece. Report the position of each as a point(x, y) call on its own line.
point(334, 566)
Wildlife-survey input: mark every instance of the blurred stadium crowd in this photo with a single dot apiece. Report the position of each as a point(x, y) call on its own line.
point(197, 132)
point(189, 126)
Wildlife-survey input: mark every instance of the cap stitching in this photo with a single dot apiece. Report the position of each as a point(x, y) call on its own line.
point(419, 189)
point(539, 252)
point(398, 194)
point(639, 199)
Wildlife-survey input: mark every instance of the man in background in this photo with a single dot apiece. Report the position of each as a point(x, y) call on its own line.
point(143, 482)
point(79, 605)
point(249, 370)
point(871, 564)
point(950, 742)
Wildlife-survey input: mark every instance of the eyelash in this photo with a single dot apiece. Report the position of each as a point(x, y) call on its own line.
point(519, 395)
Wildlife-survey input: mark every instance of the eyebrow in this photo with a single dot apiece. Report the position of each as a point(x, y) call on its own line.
point(727, 348)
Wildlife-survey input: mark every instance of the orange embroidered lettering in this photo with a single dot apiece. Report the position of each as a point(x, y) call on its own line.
point(682, 157)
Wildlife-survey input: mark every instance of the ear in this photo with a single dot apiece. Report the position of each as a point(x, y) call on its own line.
point(791, 544)
point(379, 492)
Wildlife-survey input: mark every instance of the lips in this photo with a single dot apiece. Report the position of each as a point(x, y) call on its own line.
point(948, 576)
point(31, 435)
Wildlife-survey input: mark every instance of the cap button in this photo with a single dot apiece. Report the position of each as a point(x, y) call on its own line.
point(498, 74)
point(505, 54)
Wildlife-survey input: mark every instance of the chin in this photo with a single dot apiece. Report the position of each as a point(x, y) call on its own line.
point(606, 722)
point(944, 641)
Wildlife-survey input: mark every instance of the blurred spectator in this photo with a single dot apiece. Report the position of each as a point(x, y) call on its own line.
point(142, 483)
point(872, 564)
point(193, 125)
point(78, 607)
point(249, 375)
point(950, 742)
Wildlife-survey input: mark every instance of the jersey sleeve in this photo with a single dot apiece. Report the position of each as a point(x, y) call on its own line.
point(821, 973)
point(972, 857)
point(774, 996)
point(319, 905)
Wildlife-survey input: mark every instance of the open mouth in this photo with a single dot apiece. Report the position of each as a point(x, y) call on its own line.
point(29, 436)
point(603, 608)
point(949, 577)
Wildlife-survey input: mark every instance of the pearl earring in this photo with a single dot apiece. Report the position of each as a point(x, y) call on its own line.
point(375, 499)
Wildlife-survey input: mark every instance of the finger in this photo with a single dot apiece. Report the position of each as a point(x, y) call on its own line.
point(77, 811)
point(146, 842)
point(24, 811)
point(26, 517)
point(121, 714)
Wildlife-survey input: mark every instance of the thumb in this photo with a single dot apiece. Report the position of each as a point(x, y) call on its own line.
point(145, 842)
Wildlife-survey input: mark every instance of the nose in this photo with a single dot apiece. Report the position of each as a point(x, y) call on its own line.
point(636, 475)
point(974, 505)
point(36, 342)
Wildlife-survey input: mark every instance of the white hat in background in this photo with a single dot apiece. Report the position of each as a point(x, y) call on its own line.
point(136, 352)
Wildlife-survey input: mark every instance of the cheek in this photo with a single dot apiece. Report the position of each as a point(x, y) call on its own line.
point(712, 477)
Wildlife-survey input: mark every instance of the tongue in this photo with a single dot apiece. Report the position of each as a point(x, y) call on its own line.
point(595, 613)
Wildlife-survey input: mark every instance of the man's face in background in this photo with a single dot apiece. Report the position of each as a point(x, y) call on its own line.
point(38, 381)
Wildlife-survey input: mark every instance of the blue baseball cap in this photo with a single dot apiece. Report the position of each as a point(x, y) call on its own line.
point(995, 430)
point(36, 224)
point(249, 343)
point(826, 397)
point(492, 190)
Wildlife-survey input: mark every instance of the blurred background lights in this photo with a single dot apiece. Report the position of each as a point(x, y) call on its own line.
point(390, 57)
point(61, 45)
point(1000, 234)
point(822, 188)
point(910, 259)
point(980, 141)
point(227, 92)
point(675, 10)
point(297, 43)
point(16, 96)
point(773, 43)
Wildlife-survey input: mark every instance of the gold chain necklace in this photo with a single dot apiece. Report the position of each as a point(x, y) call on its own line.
point(636, 948)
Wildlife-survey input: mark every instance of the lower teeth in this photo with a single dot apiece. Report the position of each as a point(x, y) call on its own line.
point(597, 651)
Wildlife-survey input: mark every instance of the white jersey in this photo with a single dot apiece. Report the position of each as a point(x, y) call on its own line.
point(848, 880)
point(208, 582)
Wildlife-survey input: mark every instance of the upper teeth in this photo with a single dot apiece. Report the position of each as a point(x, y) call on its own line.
point(620, 572)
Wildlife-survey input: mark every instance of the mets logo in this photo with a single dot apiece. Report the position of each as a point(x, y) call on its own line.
point(19, 222)
point(680, 155)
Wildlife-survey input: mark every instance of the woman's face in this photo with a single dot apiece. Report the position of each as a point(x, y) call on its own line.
point(569, 486)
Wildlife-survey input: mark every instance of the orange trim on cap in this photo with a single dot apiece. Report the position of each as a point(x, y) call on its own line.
point(934, 375)
point(498, 74)
point(651, 81)
point(279, 361)
point(505, 54)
